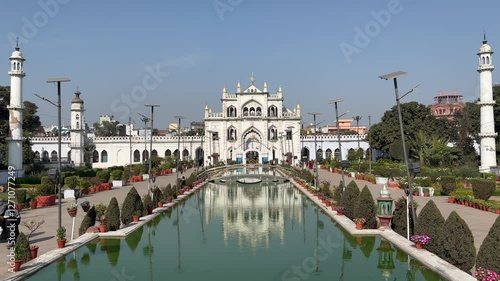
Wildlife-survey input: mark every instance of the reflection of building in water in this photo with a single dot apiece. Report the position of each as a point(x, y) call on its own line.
point(253, 212)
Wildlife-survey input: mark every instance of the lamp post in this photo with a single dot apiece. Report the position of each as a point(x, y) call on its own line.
point(315, 168)
point(144, 119)
point(394, 77)
point(290, 128)
point(178, 147)
point(336, 101)
point(357, 118)
point(150, 146)
point(58, 81)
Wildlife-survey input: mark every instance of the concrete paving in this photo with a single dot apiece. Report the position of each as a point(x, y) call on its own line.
point(44, 237)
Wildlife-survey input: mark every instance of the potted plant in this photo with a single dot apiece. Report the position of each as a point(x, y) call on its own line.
point(32, 226)
point(61, 237)
point(85, 205)
point(340, 211)
point(420, 240)
point(102, 226)
point(100, 210)
point(148, 203)
point(72, 209)
point(19, 255)
point(116, 177)
point(359, 223)
point(486, 274)
point(84, 186)
point(137, 215)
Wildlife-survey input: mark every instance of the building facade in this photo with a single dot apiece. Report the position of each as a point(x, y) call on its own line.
point(446, 104)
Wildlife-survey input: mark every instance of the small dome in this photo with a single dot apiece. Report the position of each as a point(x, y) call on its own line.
point(77, 99)
point(17, 54)
point(385, 193)
point(485, 48)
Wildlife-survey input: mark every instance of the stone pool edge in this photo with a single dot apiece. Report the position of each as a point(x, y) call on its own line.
point(34, 265)
point(432, 261)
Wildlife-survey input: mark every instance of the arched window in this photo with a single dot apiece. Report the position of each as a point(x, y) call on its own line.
point(185, 155)
point(483, 60)
point(137, 156)
point(272, 111)
point(145, 155)
point(231, 111)
point(45, 156)
point(154, 154)
point(487, 60)
point(273, 133)
point(37, 156)
point(69, 156)
point(328, 154)
point(104, 156)
point(53, 156)
point(259, 111)
point(95, 156)
point(176, 154)
point(78, 125)
point(319, 154)
point(168, 153)
point(77, 117)
point(231, 134)
point(252, 111)
point(337, 154)
point(245, 111)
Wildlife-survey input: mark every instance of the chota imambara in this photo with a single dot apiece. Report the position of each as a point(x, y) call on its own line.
point(254, 126)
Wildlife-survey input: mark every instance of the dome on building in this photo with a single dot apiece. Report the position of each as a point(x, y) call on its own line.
point(77, 99)
point(485, 48)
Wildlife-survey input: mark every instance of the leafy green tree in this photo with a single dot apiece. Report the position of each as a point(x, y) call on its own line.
point(348, 199)
point(131, 205)
point(489, 252)
point(113, 215)
point(365, 208)
point(106, 129)
point(429, 222)
point(22, 242)
point(415, 117)
point(457, 243)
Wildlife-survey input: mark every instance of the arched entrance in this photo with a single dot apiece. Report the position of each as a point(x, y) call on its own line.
point(199, 156)
point(252, 157)
point(304, 155)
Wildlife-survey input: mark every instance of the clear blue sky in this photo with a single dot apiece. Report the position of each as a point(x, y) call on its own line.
point(106, 46)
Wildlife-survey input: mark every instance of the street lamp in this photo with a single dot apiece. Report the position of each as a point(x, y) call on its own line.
point(315, 168)
point(394, 77)
point(357, 118)
point(336, 101)
point(144, 119)
point(150, 145)
point(178, 146)
point(58, 80)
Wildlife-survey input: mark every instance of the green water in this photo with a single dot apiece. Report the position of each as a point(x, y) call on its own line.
point(245, 232)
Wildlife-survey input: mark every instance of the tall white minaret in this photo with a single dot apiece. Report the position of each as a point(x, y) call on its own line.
point(16, 139)
point(487, 133)
point(77, 130)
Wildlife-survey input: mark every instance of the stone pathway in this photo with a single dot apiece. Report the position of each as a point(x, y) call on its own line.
point(479, 221)
point(44, 237)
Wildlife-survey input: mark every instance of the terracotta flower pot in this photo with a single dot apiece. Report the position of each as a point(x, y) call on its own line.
point(359, 226)
point(169, 200)
point(33, 204)
point(149, 210)
point(19, 207)
point(451, 199)
point(86, 208)
point(61, 243)
point(72, 212)
point(160, 204)
point(102, 228)
point(419, 245)
point(340, 213)
point(136, 218)
point(17, 265)
point(34, 251)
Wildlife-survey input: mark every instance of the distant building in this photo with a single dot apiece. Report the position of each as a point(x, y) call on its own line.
point(446, 104)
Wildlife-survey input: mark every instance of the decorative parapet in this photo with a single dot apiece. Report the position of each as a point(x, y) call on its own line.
point(49, 139)
point(334, 137)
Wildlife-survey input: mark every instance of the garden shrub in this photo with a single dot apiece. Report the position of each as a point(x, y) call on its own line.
point(22, 241)
point(113, 215)
point(337, 193)
point(131, 203)
point(449, 184)
point(483, 189)
point(348, 199)
point(103, 175)
point(88, 221)
point(147, 203)
point(28, 179)
point(457, 243)
point(489, 252)
point(306, 175)
point(365, 208)
point(71, 182)
point(157, 196)
point(20, 196)
point(429, 222)
point(116, 175)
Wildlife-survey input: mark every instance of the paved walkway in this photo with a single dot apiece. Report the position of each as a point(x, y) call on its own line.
point(44, 237)
point(479, 221)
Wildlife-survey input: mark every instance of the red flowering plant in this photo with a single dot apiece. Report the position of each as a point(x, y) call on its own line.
point(359, 220)
point(484, 274)
point(422, 239)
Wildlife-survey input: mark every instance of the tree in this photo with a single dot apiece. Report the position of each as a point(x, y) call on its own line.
point(365, 208)
point(489, 252)
point(113, 215)
point(131, 205)
point(88, 221)
point(348, 199)
point(106, 129)
point(429, 222)
point(415, 117)
point(457, 243)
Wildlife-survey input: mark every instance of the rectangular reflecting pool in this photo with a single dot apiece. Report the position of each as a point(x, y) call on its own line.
point(243, 232)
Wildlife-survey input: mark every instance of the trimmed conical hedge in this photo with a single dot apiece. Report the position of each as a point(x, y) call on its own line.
point(365, 208)
point(457, 243)
point(337, 193)
point(88, 221)
point(113, 215)
point(489, 252)
point(429, 222)
point(157, 196)
point(131, 205)
point(348, 199)
point(398, 223)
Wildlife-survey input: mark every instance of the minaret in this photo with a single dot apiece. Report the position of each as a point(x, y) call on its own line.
point(77, 130)
point(16, 110)
point(487, 132)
